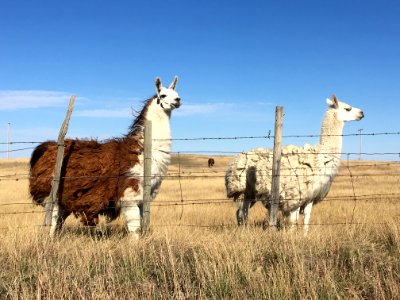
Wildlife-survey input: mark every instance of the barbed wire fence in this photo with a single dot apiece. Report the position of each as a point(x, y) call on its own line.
point(182, 175)
point(375, 169)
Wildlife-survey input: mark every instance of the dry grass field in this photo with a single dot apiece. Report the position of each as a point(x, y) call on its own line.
point(195, 250)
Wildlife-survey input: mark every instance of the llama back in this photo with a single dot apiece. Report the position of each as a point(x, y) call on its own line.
point(93, 175)
point(235, 176)
point(42, 164)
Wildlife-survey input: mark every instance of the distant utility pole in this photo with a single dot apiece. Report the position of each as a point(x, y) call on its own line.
point(8, 140)
point(360, 149)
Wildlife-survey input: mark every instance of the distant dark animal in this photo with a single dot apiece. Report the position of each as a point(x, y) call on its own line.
point(211, 162)
point(106, 178)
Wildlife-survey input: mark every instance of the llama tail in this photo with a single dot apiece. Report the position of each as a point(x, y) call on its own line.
point(41, 168)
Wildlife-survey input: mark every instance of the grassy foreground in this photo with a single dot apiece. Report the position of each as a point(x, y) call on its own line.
point(189, 255)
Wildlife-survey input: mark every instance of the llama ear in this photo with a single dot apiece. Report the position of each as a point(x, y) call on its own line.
point(332, 103)
point(174, 82)
point(158, 86)
point(335, 101)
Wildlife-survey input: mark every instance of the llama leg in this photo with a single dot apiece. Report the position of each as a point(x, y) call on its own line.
point(307, 215)
point(246, 206)
point(293, 218)
point(242, 212)
point(57, 219)
point(239, 211)
point(131, 212)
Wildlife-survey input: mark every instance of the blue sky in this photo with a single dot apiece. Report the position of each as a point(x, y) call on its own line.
point(236, 61)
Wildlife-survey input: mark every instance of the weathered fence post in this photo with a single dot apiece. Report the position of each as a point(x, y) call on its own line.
point(276, 167)
point(147, 176)
point(57, 170)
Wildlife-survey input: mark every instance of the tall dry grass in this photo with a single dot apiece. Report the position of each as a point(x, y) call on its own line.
point(189, 255)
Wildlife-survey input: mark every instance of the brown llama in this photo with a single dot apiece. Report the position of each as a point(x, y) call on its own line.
point(106, 178)
point(211, 162)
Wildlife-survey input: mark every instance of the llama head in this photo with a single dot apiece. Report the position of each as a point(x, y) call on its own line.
point(343, 111)
point(167, 98)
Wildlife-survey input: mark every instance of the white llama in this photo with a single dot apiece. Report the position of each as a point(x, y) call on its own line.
point(306, 172)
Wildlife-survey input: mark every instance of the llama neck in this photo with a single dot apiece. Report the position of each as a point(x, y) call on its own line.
point(331, 134)
point(161, 126)
point(161, 144)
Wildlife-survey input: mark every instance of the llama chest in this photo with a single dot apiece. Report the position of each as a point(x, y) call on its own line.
point(327, 174)
point(160, 160)
point(159, 169)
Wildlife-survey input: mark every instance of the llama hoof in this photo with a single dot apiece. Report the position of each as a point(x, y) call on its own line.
point(134, 236)
point(241, 222)
point(240, 218)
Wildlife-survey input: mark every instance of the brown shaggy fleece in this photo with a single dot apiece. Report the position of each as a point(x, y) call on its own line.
point(94, 175)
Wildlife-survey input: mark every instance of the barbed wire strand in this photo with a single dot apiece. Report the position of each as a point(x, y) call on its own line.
point(174, 203)
point(366, 197)
point(263, 152)
point(269, 136)
point(21, 176)
point(189, 176)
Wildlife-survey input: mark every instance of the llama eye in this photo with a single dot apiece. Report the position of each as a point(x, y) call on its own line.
point(348, 108)
point(163, 96)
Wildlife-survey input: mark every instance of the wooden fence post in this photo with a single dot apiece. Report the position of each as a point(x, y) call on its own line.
point(147, 176)
point(57, 170)
point(276, 167)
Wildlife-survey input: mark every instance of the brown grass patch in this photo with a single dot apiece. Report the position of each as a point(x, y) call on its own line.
point(189, 255)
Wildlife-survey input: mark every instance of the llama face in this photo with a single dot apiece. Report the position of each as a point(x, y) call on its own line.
point(167, 98)
point(345, 112)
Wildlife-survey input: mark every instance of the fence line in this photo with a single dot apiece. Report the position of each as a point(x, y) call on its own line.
point(204, 201)
point(228, 153)
point(205, 171)
point(220, 173)
point(17, 150)
point(189, 176)
point(268, 136)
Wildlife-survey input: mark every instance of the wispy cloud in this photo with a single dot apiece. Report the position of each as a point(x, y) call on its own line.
point(262, 103)
point(13, 100)
point(183, 111)
point(105, 113)
point(202, 109)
